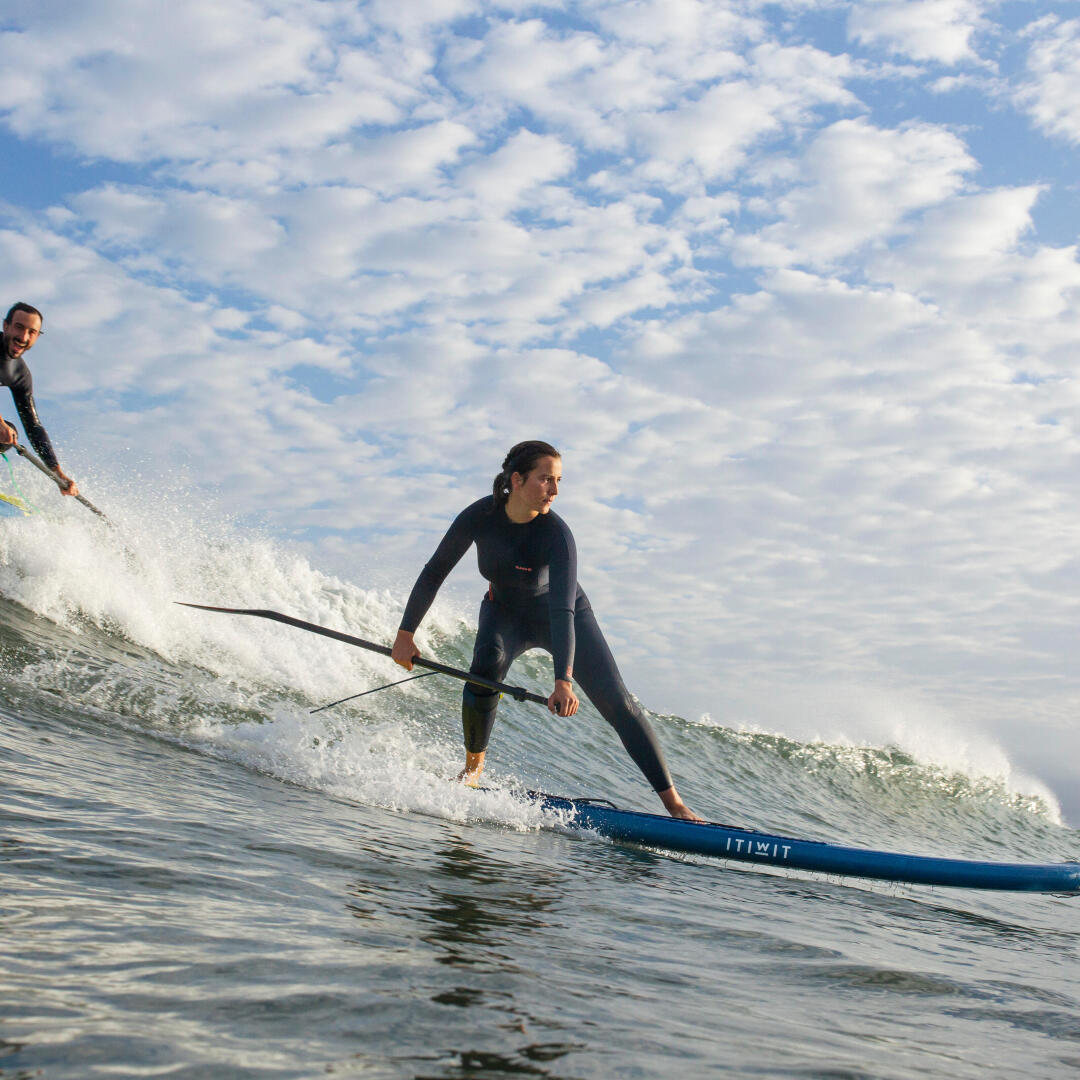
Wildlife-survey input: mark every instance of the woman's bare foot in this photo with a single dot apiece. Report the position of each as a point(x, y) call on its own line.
point(474, 766)
point(674, 805)
point(469, 777)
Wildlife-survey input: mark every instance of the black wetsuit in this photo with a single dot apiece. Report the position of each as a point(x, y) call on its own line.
point(533, 601)
point(15, 373)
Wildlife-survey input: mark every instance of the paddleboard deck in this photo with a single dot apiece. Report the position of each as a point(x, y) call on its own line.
point(746, 845)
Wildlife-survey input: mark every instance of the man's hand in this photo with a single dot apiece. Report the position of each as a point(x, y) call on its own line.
point(72, 487)
point(8, 436)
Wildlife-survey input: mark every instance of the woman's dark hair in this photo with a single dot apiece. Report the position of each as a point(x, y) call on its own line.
point(521, 459)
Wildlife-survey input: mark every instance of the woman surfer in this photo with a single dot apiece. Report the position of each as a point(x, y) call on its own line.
point(528, 556)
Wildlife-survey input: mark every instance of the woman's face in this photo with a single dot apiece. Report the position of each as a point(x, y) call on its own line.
point(536, 490)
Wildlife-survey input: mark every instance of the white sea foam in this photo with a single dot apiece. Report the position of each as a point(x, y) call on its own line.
point(242, 687)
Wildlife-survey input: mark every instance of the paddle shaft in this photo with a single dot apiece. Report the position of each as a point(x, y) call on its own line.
point(61, 484)
point(519, 693)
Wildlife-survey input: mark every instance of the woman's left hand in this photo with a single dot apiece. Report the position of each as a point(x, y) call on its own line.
point(563, 700)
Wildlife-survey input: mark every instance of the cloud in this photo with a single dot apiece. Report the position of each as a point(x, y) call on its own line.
point(512, 175)
point(935, 30)
point(685, 31)
point(860, 183)
point(970, 255)
point(191, 226)
point(259, 79)
point(1051, 93)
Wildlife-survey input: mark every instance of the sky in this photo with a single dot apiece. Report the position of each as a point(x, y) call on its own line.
point(793, 286)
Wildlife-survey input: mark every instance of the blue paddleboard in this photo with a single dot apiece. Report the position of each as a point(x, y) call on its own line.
point(745, 845)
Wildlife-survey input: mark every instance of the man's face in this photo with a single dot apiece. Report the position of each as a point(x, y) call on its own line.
point(21, 333)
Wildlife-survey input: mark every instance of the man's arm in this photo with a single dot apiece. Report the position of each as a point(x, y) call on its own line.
point(35, 431)
point(37, 435)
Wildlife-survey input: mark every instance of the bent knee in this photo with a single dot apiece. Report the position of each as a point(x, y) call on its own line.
point(488, 659)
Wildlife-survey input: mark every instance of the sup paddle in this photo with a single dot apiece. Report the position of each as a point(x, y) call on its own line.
point(519, 693)
point(61, 484)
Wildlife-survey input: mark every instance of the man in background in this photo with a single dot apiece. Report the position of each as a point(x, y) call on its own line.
point(22, 327)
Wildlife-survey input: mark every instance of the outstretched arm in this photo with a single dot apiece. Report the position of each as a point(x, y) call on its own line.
point(37, 436)
point(447, 555)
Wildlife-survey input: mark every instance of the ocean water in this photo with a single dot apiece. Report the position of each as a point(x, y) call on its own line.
point(200, 878)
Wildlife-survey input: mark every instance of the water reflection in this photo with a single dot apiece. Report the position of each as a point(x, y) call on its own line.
point(472, 932)
point(479, 904)
point(527, 1061)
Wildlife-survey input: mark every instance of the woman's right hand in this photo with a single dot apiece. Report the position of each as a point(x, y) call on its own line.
point(404, 650)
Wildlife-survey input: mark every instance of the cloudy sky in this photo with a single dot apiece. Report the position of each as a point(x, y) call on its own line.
point(794, 286)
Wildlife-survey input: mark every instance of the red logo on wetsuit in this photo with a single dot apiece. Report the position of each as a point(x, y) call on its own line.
point(527, 569)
